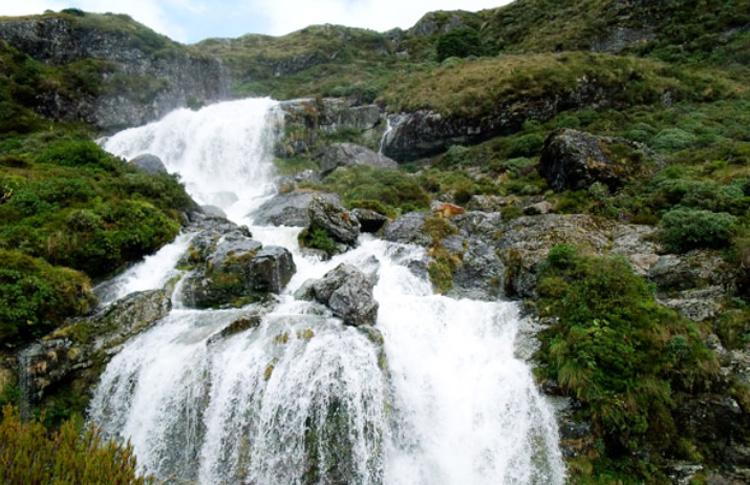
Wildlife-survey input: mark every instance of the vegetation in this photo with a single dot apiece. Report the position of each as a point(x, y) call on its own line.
point(620, 354)
point(29, 453)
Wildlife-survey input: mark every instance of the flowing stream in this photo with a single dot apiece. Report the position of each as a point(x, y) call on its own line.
point(302, 398)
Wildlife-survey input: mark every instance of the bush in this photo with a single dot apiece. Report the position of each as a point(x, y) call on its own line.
point(526, 145)
point(673, 139)
point(77, 153)
point(462, 42)
point(685, 229)
point(31, 454)
point(619, 353)
point(317, 239)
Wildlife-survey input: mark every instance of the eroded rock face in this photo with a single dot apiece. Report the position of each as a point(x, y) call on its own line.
point(149, 163)
point(369, 220)
point(341, 225)
point(575, 160)
point(156, 84)
point(351, 155)
point(290, 209)
point(82, 348)
point(347, 292)
point(306, 120)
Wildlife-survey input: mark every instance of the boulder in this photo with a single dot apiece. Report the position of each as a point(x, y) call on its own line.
point(341, 225)
point(574, 160)
point(351, 155)
point(83, 346)
point(408, 229)
point(290, 209)
point(149, 163)
point(369, 220)
point(347, 292)
point(213, 211)
point(238, 272)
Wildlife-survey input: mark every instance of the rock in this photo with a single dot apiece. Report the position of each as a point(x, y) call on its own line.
point(369, 220)
point(347, 292)
point(537, 209)
point(307, 121)
point(88, 343)
point(636, 242)
point(238, 272)
point(697, 305)
point(696, 269)
point(290, 209)
point(341, 225)
point(574, 160)
point(447, 210)
point(351, 155)
point(149, 163)
point(408, 229)
point(213, 211)
point(156, 84)
point(490, 203)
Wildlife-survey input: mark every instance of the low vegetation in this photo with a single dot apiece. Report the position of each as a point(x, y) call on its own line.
point(623, 356)
point(31, 454)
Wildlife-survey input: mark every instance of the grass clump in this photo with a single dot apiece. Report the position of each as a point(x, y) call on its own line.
point(619, 353)
point(29, 453)
point(685, 229)
point(317, 239)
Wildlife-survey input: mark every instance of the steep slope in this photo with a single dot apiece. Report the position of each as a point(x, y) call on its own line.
point(132, 75)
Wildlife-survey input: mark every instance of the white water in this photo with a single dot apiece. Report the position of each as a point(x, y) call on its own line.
point(264, 406)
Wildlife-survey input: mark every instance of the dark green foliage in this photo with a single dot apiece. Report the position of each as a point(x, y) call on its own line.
point(685, 229)
point(35, 296)
point(29, 453)
point(618, 352)
point(317, 239)
point(462, 42)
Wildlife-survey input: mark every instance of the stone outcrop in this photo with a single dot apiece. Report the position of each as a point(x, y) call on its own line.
point(347, 292)
point(369, 220)
point(141, 81)
point(80, 349)
point(308, 121)
point(289, 209)
point(330, 219)
point(229, 268)
point(149, 163)
point(574, 160)
point(351, 155)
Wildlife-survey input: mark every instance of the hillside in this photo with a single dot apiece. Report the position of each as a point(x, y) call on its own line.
point(600, 149)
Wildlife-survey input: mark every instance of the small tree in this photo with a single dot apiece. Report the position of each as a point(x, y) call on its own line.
point(462, 42)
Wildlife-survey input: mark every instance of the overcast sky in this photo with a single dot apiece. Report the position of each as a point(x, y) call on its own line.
point(193, 20)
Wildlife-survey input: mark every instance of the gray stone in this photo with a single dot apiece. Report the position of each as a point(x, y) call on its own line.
point(408, 229)
point(290, 209)
point(539, 208)
point(213, 211)
point(350, 155)
point(574, 160)
point(369, 220)
point(341, 225)
point(149, 163)
point(347, 292)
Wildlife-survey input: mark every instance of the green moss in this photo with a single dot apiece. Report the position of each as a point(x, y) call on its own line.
point(317, 239)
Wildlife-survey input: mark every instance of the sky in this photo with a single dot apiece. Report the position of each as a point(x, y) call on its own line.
point(193, 20)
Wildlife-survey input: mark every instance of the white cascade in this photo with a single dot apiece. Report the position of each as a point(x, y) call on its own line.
point(302, 398)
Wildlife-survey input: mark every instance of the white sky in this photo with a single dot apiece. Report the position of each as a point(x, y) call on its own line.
point(193, 20)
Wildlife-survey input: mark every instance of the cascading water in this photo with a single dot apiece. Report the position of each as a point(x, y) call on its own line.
point(301, 398)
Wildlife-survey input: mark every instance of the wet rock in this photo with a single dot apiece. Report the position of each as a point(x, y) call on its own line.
point(87, 344)
point(330, 217)
point(149, 163)
point(351, 155)
point(239, 271)
point(290, 209)
point(307, 121)
point(574, 160)
point(213, 211)
point(347, 292)
point(369, 220)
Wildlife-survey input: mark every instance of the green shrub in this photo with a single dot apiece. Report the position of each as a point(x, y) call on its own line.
point(526, 145)
point(35, 297)
point(317, 239)
point(76, 153)
point(685, 229)
point(462, 42)
point(673, 139)
point(31, 454)
point(617, 351)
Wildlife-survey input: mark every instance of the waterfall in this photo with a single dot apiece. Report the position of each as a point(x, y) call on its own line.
point(301, 398)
